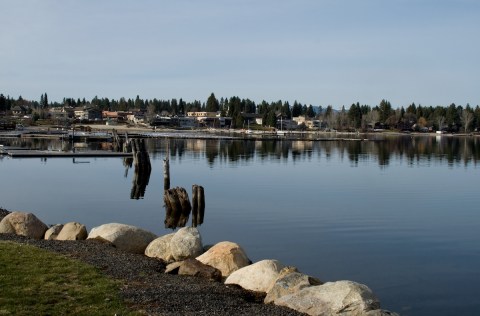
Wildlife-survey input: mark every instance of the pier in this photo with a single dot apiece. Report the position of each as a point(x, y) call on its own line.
point(63, 154)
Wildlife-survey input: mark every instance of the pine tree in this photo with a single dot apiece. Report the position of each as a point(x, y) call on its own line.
point(45, 101)
point(212, 104)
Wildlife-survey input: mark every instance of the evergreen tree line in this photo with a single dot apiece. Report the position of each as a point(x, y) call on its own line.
point(357, 117)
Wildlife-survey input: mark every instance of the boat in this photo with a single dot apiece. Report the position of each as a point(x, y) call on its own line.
point(281, 132)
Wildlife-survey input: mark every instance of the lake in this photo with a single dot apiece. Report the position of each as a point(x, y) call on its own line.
point(399, 214)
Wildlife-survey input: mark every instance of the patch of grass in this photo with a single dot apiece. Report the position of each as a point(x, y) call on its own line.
point(37, 282)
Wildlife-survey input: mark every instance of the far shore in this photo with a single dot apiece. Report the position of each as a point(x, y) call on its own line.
point(51, 130)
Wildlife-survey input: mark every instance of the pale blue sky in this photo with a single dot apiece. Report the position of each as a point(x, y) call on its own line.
point(317, 52)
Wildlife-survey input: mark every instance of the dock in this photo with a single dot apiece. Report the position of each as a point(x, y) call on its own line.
point(64, 154)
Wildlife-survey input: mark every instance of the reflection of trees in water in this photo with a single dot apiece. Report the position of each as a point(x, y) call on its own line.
point(454, 150)
point(354, 149)
point(414, 149)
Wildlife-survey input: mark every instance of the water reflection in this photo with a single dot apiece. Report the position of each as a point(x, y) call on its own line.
point(415, 149)
point(141, 177)
point(425, 149)
point(142, 167)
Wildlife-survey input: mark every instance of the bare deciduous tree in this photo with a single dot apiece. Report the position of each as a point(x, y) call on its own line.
point(467, 118)
point(372, 117)
point(440, 122)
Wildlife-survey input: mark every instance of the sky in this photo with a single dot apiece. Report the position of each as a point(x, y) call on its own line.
point(319, 52)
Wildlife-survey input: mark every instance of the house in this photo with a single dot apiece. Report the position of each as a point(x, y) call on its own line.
point(19, 110)
point(136, 117)
point(210, 119)
point(61, 113)
point(308, 122)
point(285, 124)
point(109, 115)
point(87, 113)
point(164, 121)
point(187, 122)
point(202, 114)
point(252, 118)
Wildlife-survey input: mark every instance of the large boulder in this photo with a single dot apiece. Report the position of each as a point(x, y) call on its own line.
point(53, 231)
point(288, 284)
point(226, 256)
point(73, 231)
point(186, 243)
point(195, 268)
point(125, 237)
point(259, 277)
point(25, 224)
point(160, 248)
point(332, 298)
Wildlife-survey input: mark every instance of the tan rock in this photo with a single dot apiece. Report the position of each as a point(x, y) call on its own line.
point(160, 248)
point(53, 231)
point(288, 283)
point(186, 243)
point(259, 277)
point(125, 237)
point(332, 298)
point(226, 256)
point(73, 231)
point(24, 224)
point(195, 268)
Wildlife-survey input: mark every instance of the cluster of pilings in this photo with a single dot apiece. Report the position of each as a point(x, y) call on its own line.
point(178, 206)
point(177, 202)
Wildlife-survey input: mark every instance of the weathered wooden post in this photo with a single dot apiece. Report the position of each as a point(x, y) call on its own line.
point(166, 174)
point(127, 146)
point(172, 207)
point(177, 206)
point(117, 142)
point(185, 205)
point(198, 205)
point(143, 168)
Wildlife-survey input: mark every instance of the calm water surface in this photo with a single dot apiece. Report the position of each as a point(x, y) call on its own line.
point(398, 214)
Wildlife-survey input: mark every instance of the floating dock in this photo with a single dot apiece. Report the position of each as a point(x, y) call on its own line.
point(64, 154)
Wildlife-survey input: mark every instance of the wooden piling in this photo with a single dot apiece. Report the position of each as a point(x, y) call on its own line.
point(198, 205)
point(166, 174)
point(117, 142)
point(177, 206)
point(194, 205)
point(142, 168)
point(185, 206)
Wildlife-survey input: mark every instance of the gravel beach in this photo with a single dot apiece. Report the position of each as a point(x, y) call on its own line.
point(146, 288)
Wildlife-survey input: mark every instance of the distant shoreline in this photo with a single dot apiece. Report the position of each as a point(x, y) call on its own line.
point(48, 131)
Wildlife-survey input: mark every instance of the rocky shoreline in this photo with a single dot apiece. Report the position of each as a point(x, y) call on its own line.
point(218, 281)
point(148, 289)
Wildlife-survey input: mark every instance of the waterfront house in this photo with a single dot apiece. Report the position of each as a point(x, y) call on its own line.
point(87, 113)
point(210, 119)
point(19, 110)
